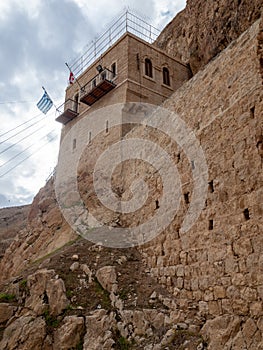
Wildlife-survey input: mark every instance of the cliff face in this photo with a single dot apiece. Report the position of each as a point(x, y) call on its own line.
point(12, 220)
point(177, 287)
point(205, 28)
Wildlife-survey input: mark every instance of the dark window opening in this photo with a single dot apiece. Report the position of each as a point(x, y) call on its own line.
point(90, 137)
point(252, 112)
point(76, 103)
point(186, 198)
point(103, 75)
point(166, 76)
point(114, 69)
point(178, 157)
point(157, 206)
point(211, 225)
point(148, 68)
point(246, 214)
point(107, 126)
point(193, 164)
point(211, 186)
point(74, 143)
point(94, 83)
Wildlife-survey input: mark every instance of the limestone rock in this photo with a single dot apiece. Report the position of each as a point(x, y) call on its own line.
point(24, 333)
point(219, 330)
point(107, 278)
point(74, 266)
point(6, 312)
point(46, 292)
point(203, 29)
point(69, 334)
point(99, 335)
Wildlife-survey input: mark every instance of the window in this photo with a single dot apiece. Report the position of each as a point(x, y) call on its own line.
point(103, 75)
point(107, 126)
point(210, 225)
point(93, 83)
point(166, 76)
point(76, 103)
point(114, 69)
point(246, 214)
point(74, 144)
point(148, 68)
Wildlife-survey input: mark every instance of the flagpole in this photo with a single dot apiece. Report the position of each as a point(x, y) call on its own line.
point(81, 88)
point(51, 99)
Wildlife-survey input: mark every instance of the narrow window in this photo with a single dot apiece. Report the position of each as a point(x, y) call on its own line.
point(148, 68)
point(252, 112)
point(93, 83)
point(186, 198)
point(114, 69)
point(178, 157)
point(76, 103)
point(166, 76)
point(103, 75)
point(193, 164)
point(90, 137)
point(157, 206)
point(211, 186)
point(107, 126)
point(211, 225)
point(74, 143)
point(246, 214)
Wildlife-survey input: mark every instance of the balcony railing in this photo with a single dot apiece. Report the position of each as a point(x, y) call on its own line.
point(127, 22)
point(97, 87)
point(71, 108)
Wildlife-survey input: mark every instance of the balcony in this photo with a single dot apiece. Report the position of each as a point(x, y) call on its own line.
point(97, 87)
point(71, 108)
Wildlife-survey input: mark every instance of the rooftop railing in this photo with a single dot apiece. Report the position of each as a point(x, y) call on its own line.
point(127, 22)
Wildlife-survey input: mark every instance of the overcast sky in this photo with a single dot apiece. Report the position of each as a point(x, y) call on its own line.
point(37, 37)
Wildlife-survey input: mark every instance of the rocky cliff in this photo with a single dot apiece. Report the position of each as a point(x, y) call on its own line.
point(204, 28)
point(198, 290)
point(12, 220)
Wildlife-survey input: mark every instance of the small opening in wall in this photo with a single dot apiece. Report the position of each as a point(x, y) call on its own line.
point(157, 206)
point(211, 225)
point(107, 126)
point(186, 198)
point(193, 164)
point(74, 144)
point(246, 214)
point(252, 112)
point(178, 157)
point(90, 137)
point(114, 69)
point(211, 186)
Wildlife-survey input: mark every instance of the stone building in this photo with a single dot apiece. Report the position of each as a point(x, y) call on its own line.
point(132, 69)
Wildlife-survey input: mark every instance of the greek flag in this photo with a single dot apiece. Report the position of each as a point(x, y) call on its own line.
point(45, 103)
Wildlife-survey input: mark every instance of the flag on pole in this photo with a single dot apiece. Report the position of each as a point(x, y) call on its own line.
point(71, 78)
point(45, 103)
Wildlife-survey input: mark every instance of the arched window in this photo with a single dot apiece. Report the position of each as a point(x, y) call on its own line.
point(148, 68)
point(166, 76)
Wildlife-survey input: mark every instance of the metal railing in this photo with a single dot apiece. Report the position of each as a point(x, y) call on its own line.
point(127, 22)
point(73, 105)
point(105, 74)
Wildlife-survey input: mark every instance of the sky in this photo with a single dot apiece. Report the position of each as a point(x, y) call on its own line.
point(37, 37)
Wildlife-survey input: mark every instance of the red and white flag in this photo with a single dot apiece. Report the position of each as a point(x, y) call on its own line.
point(71, 78)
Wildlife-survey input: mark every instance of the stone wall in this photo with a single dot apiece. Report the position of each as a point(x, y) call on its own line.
point(216, 267)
